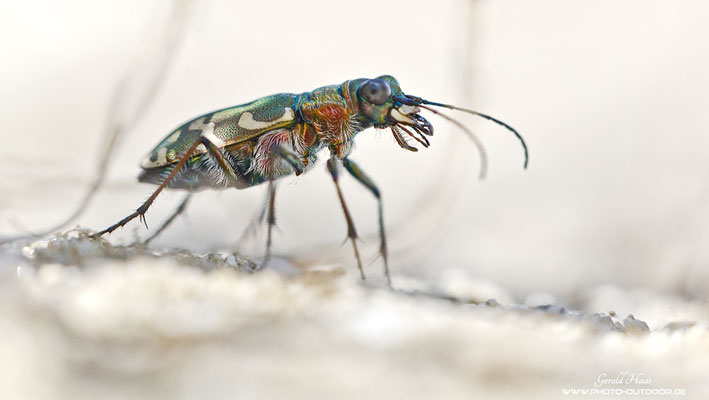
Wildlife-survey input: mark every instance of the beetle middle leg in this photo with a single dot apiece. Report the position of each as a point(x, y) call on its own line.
point(351, 232)
point(279, 151)
point(257, 219)
point(271, 217)
point(140, 211)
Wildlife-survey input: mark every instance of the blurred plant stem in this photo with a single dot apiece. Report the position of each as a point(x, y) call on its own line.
point(131, 99)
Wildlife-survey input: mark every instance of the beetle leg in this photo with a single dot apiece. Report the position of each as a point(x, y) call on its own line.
point(180, 209)
point(271, 217)
point(256, 220)
point(358, 174)
point(226, 168)
point(219, 156)
point(291, 158)
point(140, 212)
point(351, 232)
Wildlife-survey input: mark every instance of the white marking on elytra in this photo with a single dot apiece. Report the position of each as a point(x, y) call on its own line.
point(213, 138)
point(161, 159)
point(247, 120)
point(207, 131)
point(173, 138)
point(401, 117)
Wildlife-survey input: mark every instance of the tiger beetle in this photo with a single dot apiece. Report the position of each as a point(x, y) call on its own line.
point(281, 134)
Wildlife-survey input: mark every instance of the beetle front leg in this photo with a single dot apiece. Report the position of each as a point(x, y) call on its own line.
point(351, 232)
point(358, 174)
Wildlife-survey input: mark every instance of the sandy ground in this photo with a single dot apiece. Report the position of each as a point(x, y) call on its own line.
point(82, 319)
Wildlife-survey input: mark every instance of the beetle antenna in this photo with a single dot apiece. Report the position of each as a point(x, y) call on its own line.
point(479, 114)
point(471, 135)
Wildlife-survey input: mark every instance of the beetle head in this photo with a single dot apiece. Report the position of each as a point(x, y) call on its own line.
point(383, 103)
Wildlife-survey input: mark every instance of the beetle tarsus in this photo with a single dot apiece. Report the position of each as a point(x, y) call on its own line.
point(359, 260)
point(116, 225)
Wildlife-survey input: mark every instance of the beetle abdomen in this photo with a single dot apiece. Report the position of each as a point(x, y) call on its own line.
point(202, 172)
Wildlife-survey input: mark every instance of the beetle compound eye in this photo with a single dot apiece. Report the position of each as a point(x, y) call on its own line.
point(375, 91)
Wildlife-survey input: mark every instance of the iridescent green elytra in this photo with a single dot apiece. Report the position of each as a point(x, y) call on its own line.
point(282, 134)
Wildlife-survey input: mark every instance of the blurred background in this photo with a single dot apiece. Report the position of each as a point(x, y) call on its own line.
point(610, 97)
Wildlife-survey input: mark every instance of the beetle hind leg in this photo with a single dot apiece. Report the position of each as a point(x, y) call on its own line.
point(179, 210)
point(140, 211)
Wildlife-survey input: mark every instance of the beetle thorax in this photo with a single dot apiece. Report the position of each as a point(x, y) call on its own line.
point(332, 117)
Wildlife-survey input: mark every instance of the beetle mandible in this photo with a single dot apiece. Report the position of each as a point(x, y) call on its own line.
point(281, 134)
